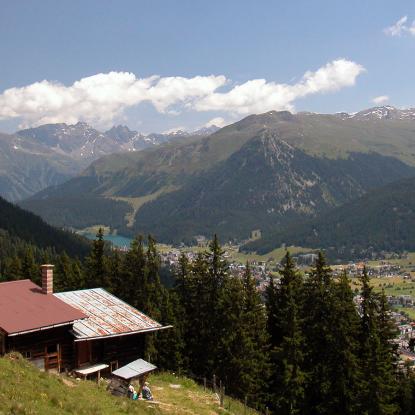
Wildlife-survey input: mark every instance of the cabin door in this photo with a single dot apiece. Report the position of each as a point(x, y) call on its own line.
point(83, 353)
point(52, 357)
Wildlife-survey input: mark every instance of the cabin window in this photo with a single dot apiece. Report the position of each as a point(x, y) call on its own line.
point(27, 355)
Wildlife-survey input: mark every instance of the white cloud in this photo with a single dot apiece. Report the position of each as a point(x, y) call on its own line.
point(380, 100)
point(101, 98)
point(217, 121)
point(259, 95)
point(400, 28)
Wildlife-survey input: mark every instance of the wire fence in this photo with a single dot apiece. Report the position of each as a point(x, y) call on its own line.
point(216, 386)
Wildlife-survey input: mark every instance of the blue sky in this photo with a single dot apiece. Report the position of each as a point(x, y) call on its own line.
point(207, 56)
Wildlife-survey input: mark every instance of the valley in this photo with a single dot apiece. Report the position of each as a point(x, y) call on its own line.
point(275, 172)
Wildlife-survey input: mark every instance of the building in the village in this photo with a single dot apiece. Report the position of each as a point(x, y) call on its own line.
point(201, 241)
point(256, 234)
point(70, 330)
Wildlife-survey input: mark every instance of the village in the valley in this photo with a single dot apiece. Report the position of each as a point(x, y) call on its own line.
point(395, 275)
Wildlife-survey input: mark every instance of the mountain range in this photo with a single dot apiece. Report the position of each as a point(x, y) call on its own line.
point(35, 158)
point(267, 171)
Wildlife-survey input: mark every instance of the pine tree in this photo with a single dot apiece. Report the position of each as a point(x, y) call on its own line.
point(132, 285)
point(64, 279)
point(378, 392)
point(345, 367)
point(195, 326)
point(96, 264)
point(232, 343)
point(30, 269)
point(154, 290)
point(214, 280)
point(320, 339)
point(77, 275)
point(254, 375)
point(201, 295)
point(13, 268)
point(181, 276)
point(169, 343)
point(287, 347)
point(154, 295)
point(181, 297)
point(115, 273)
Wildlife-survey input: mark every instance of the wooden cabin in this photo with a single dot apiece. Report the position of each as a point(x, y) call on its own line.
point(76, 330)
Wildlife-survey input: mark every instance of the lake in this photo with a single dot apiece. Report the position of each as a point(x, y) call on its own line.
point(117, 240)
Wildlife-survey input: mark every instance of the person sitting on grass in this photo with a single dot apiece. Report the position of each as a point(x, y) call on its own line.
point(146, 392)
point(132, 393)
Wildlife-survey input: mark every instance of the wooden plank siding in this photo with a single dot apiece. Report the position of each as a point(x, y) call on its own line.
point(54, 345)
point(121, 350)
point(57, 349)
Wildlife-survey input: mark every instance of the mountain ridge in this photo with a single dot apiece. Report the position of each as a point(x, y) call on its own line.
point(36, 158)
point(381, 220)
point(324, 160)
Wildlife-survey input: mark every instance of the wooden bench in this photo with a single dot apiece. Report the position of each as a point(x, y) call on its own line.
point(89, 370)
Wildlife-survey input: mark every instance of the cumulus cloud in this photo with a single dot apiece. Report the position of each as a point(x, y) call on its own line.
point(259, 95)
point(101, 98)
point(400, 28)
point(380, 100)
point(217, 121)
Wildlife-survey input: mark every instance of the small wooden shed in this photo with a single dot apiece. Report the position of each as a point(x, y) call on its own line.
point(122, 377)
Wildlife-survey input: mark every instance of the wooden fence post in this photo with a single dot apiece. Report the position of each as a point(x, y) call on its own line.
point(245, 404)
point(266, 410)
point(214, 383)
point(204, 384)
point(222, 396)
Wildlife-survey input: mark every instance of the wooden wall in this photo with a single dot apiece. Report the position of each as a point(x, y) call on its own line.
point(54, 345)
point(35, 346)
point(124, 349)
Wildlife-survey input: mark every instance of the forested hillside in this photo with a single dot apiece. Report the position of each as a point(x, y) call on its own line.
point(264, 185)
point(383, 219)
point(31, 229)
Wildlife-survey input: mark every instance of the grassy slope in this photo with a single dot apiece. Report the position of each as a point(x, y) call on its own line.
point(25, 390)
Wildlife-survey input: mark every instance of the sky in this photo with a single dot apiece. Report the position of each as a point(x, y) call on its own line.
point(157, 65)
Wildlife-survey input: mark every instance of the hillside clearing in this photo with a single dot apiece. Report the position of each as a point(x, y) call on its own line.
point(55, 394)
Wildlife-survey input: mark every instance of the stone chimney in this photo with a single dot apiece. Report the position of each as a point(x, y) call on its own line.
point(47, 278)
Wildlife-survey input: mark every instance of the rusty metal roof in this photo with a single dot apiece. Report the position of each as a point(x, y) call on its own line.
point(108, 316)
point(24, 308)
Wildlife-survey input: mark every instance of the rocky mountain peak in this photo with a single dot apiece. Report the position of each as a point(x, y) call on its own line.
point(386, 112)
